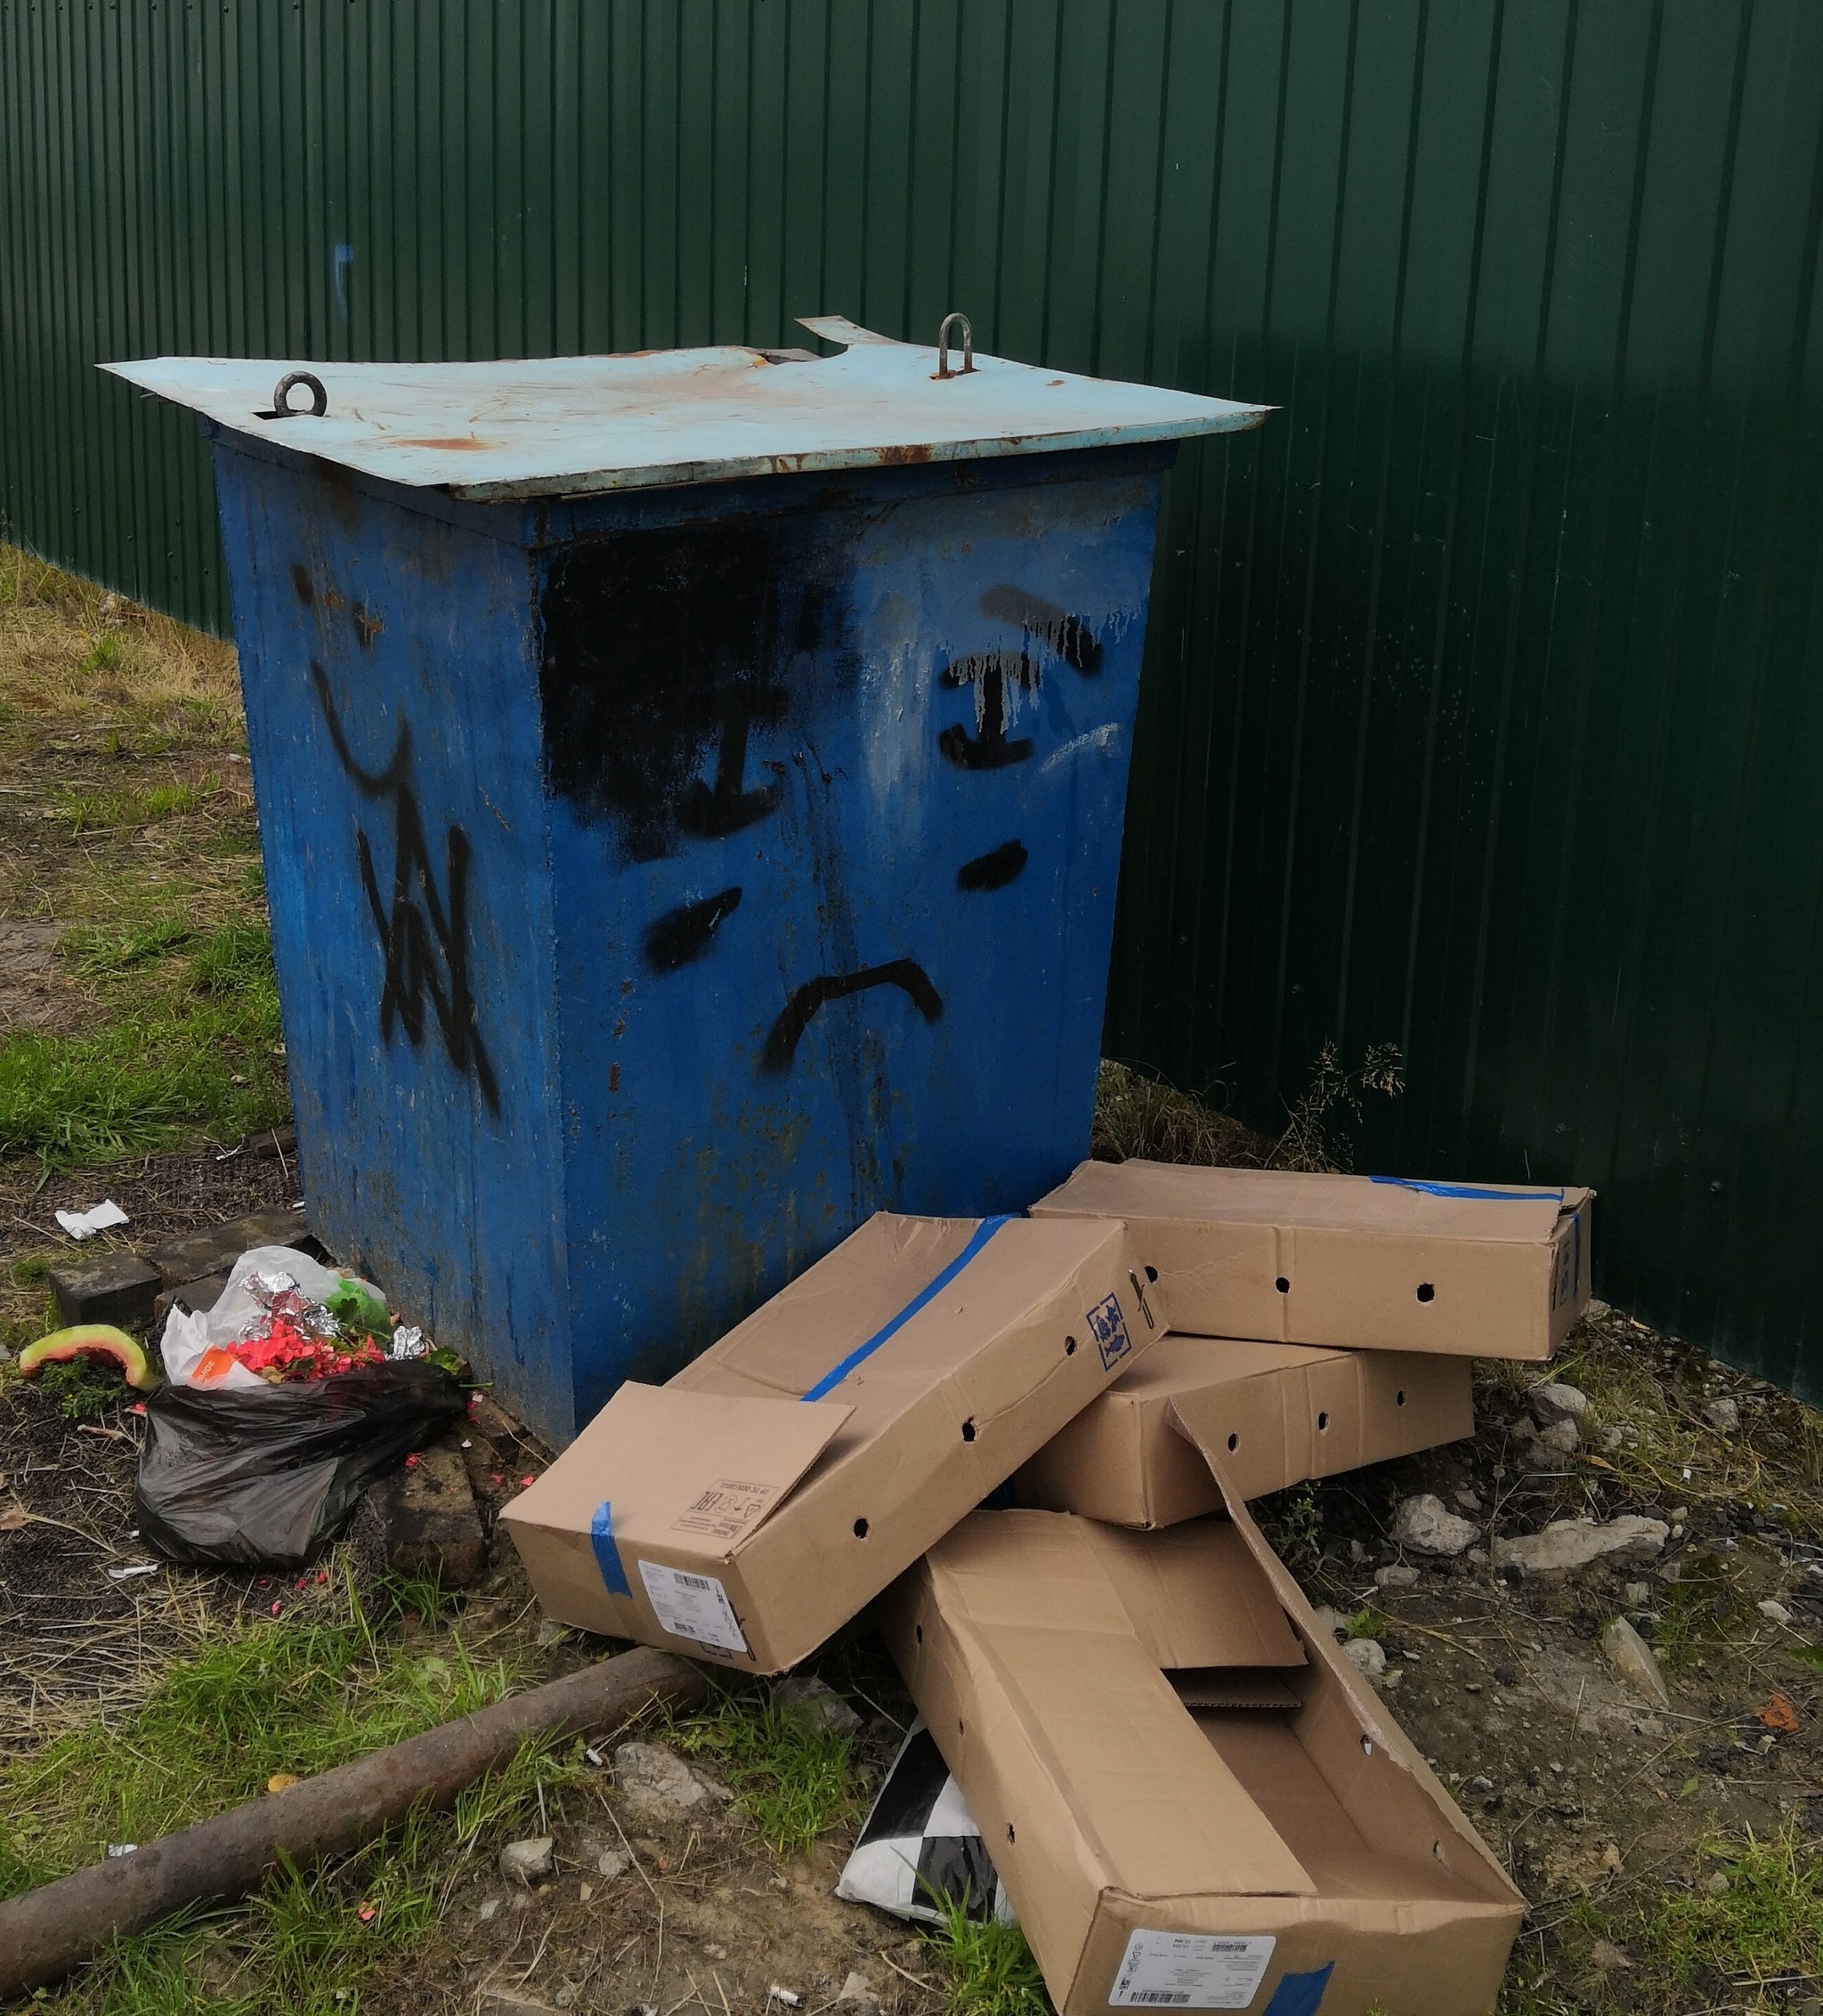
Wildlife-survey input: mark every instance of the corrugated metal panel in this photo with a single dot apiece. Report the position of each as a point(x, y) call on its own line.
point(1484, 712)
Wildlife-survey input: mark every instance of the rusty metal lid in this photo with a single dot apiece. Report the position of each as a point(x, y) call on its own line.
point(568, 426)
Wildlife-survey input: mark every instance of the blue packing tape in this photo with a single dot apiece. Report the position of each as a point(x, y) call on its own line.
point(1299, 1994)
point(1469, 1190)
point(834, 1377)
point(607, 1556)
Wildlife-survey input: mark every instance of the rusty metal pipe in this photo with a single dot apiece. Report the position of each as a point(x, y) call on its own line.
point(49, 1930)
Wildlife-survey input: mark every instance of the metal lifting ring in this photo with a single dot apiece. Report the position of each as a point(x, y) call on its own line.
point(943, 346)
point(281, 393)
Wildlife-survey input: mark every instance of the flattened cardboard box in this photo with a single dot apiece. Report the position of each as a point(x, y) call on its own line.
point(755, 1504)
point(1373, 1263)
point(1280, 1414)
point(1192, 1799)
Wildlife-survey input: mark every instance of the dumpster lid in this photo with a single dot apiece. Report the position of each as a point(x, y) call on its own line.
point(566, 425)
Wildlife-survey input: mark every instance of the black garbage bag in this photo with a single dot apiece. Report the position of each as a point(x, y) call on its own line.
point(267, 1479)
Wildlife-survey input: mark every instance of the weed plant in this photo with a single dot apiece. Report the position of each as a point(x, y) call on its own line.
point(988, 1968)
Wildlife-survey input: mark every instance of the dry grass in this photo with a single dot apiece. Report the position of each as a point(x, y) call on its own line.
point(1136, 1115)
point(1647, 1441)
point(73, 652)
point(137, 1007)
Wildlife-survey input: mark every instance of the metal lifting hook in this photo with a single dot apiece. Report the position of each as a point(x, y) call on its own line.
point(943, 346)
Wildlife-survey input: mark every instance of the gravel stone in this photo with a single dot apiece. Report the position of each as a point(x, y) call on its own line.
point(1557, 1402)
point(526, 1861)
point(1632, 1659)
point(1427, 1526)
point(654, 1777)
point(1368, 1653)
point(1565, 1544)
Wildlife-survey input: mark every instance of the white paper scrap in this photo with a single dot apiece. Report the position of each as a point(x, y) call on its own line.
point(1191, 1971)
point(693, 1607)
point(85, 1225)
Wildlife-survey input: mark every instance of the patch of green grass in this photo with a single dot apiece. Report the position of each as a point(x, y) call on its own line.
point(108, 812)
point(236, 958)
point(166, 801)
point(988, 1968)
point(313, 1941)
point(274, 1695)
point(142, 1085)
point(1765, 1927)
point(795, 1779)
point(198, 1053)
point(106, 655)
point(92, 812)
point(96, 952)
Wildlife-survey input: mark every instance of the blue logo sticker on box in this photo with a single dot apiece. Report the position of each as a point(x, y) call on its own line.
point(1108, 1327)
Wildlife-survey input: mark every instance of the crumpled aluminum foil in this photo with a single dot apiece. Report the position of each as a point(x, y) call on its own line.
point(409, 1341)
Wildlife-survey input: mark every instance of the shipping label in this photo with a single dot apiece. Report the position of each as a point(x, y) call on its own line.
point(1108, 1327)
point(693, 1607)
point(1191, 1971)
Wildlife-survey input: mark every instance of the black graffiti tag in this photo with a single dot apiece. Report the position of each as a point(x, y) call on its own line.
point(907, 974)
point(425, 940)
point(990, 673)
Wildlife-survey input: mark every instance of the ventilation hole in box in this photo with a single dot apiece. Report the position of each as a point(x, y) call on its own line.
point(969, 1431)
point(918, 1632)
point(1322, 1422)
point(861, 1529)
point(1234, 1442)
point(1009, 1830)
point(1400, 1395)
point(960, 1729)
point(1152, 1273)
point(1426, 1291)
point(1366, 1746)
point(1436, 1850)
point(1069, 1346)
point(1283, 1285)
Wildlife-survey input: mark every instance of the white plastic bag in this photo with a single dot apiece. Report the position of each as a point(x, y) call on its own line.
point(192, 1342)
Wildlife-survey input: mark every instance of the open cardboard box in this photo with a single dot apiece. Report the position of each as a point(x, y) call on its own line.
point(1193, 1800)
point(1374, 1263)
point(751, 1506)
point(1279, 1413)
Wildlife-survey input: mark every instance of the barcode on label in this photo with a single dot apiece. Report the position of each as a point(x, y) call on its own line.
point(1163, 1996)
point(694, 1582)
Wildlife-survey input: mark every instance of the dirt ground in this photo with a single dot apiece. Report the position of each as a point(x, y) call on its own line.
point(1667, 1855)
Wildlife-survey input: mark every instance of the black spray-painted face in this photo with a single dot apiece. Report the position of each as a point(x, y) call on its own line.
point(687, 672)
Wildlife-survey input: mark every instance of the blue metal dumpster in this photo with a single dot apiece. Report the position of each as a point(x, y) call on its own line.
point(691, 787)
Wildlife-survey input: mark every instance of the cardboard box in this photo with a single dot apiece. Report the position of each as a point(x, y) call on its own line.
point(1279, 1412)
point(754, 1505)
point(1192, 1799)
point(1370, 1262)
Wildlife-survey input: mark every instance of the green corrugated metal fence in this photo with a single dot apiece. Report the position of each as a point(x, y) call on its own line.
point(1484, 714)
